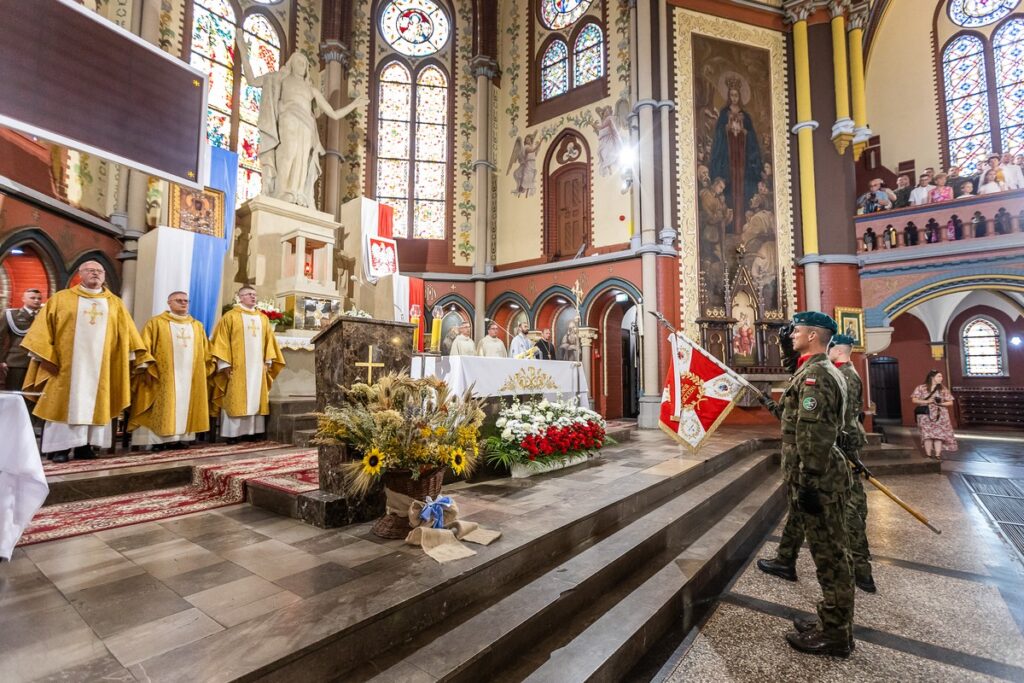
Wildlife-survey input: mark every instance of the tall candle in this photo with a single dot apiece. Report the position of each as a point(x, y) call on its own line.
point(435, 335)
point(415, 320)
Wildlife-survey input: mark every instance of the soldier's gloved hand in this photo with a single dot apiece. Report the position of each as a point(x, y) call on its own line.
point(858, 466)
point(808, 500)
point(790, 357)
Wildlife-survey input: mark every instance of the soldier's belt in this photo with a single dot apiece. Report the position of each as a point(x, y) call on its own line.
point(788, 438)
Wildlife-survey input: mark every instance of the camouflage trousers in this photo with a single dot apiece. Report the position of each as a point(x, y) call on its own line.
point(827, 538)
point(856, 531)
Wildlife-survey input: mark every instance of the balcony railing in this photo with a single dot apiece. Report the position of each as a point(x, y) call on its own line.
point(917, 227)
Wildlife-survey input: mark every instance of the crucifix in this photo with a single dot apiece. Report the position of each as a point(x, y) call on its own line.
point(183, 336)
point(93, 313)
point(369, 365)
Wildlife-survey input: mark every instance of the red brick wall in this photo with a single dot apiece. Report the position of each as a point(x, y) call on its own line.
point(610, 343)
point(21, 272)
point(910, 346)
point(1014, 355)
point(840, 286)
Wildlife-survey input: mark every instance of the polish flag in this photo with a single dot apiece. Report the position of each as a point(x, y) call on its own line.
point(699, 393)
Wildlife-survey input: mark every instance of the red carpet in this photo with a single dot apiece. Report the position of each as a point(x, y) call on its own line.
point(295, 482)
point(212, 486)
point(144, 458)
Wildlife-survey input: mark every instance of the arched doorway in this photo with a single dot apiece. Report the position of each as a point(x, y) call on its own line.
point(615, 370)
point(22, 267)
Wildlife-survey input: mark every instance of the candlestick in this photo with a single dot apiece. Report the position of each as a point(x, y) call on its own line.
point(415, 320)
point(435, 329)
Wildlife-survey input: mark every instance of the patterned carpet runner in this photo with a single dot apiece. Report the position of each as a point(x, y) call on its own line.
point(146, 458)
point(294, 483)
point(212, 486)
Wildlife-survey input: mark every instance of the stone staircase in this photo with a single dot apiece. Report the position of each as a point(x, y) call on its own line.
point(292, 420)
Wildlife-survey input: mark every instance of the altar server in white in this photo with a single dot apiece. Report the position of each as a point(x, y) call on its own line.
point(170, 403)
point(248, 359)
point(463, 344)
point(83, 347)
point(490, 346)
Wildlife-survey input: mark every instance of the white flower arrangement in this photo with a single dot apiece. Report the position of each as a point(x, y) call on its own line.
point(519, 420)
point(267, 306)
point(356, 313)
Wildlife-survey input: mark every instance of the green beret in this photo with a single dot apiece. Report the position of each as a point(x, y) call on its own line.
point(815, 319)
point(842, 340)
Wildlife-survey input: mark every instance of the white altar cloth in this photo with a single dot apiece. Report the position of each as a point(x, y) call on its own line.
point(23, 485)
point(506, 376)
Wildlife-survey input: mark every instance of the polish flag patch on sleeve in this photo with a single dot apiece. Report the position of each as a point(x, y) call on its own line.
point(810, 382)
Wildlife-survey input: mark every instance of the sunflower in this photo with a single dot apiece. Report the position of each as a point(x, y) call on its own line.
point(440, 431)
point(425, 432)
point(457, 460)
point(372, 461)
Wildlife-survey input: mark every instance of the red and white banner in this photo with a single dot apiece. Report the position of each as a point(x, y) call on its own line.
point(699, 393)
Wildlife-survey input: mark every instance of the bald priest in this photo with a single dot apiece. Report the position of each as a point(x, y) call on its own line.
point(170, 403)
point(83, 348)
point(248, 359)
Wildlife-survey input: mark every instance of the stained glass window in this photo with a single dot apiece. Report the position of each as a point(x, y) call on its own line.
point(414, 27)
point(967, 102)
point(213, 51)
point(1008, 53)
point(554, 71)
point(412, 149)
point(264, 48)
point(588, 55)
point(981, 343)
point(558, 14)
point(974, 13)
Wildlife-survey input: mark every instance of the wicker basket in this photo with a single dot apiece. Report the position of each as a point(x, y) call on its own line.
point(392, 525)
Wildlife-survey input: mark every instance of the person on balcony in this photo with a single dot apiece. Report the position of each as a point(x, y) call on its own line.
point(903, 190)
point(966, 190)
point(954, 179)
point(921, 194)
point(876, 198)
point(941, 192)
point(991, 184)
point(1013, 177)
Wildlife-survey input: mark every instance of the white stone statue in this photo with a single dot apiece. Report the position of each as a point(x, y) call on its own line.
point(290, 146)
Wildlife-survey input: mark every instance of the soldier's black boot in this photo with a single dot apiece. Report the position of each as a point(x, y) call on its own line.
point(777, 568)
point(815, 643)
point(867, 584)
point(807, 624)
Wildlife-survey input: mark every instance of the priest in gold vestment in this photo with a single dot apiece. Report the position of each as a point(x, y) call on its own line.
point(170, 403)
point(83, 347)
point(248, 359)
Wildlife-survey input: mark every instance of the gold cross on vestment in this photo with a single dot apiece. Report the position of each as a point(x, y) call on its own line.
point(184, 337)
point(93, 313)
point(254, 327)
point(369, 365)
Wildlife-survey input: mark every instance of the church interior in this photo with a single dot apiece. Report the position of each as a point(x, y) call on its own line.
point(450, 340)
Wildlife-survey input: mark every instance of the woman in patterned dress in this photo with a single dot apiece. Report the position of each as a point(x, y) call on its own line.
point(936, 430)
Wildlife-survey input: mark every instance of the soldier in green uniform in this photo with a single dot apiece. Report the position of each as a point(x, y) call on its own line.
point(850, 441)
point(813, 416)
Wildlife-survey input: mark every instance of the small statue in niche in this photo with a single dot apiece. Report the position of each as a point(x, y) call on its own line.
point(979, 225)
point(1002, 222)
point(910, 235)
point(870, 240)
point(890, 237)
point(931, 232)
point(954, 228)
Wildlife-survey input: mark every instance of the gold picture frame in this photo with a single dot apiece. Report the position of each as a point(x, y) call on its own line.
point(197, 211)
point(851, 322)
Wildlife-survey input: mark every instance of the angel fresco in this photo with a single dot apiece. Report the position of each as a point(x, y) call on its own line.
point(524, 158)
point(610, 125)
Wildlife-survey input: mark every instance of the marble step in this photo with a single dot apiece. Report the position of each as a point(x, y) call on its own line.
point(874, 439)
point(501, 636)
point(883, 465)
point(886, 450)
point(674, 598)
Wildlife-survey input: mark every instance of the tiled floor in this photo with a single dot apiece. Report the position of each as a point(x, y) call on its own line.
point(949, 607)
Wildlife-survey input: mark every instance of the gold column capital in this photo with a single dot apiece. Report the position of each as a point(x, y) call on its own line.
point(858, 16)
point(838, 8)
point(797, 11)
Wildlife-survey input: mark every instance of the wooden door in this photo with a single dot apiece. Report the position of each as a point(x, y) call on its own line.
point(885, 388)
point(568, 210)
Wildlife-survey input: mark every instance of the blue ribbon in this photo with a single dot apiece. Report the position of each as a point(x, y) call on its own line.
point(434, 509)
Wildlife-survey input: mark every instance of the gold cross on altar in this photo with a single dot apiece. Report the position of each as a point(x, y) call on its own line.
point(184, 337)
point(93, 313)
point(369, 365)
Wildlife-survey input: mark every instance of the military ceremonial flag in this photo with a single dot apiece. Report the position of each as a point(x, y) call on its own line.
point(699, 393)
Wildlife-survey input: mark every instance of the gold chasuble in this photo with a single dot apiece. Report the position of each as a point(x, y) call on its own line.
point(243, 339)
point(170, 397)
point(92, 340)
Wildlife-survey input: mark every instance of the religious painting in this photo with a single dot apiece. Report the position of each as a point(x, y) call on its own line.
point(383, 256)
point(733, 171)
point(851, 323)
point(450, 329)
point(566, 334)
point(743, 335)
point(197, 211)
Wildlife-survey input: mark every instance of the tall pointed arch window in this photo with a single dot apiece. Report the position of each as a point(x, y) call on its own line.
point(981, 343)
point(413, 109)
point(967, 105)
point(588, 55)
point(554, 71)
point(569, 65)
point(233, 106)
point(1008, 50)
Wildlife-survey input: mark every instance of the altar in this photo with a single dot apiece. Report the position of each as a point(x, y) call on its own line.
point(493, 377)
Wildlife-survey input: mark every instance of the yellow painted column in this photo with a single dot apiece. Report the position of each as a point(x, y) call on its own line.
point(804, 129)
point(842, 130)
point(861, 132)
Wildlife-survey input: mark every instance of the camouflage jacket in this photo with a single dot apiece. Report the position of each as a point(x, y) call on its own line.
point(854, 436)
point(813, 417)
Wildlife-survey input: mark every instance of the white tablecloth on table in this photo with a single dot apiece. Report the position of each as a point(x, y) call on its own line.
point(23, 485)
point(506, 376)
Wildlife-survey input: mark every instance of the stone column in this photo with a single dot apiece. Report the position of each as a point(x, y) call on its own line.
point(797, 13)
point(336, 56)
point(128, 258)
point(861, 131)
point(485, 69)
point(842, 129)
point(588, 335)
point(668, 233)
